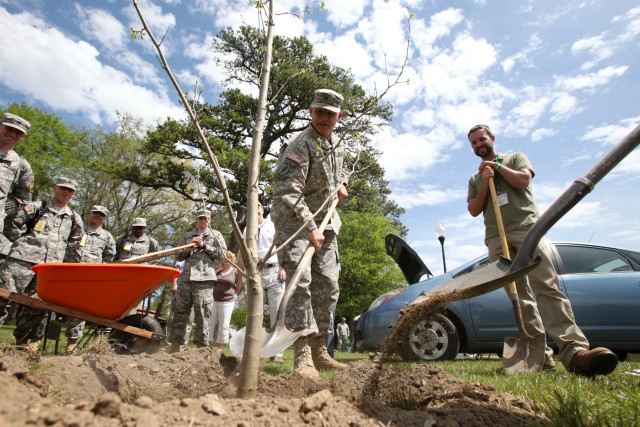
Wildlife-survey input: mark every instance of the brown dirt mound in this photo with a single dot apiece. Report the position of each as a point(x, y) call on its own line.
point(421, 309)
point(196, 387)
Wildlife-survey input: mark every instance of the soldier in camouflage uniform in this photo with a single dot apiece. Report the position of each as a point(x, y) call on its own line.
point(41, 232)
point(99, 246)
point(195, 284)
point(16, 177)
point(136, 242)
point(310, 172)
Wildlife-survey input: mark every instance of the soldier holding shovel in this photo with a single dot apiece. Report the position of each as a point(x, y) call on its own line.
point(310, 172)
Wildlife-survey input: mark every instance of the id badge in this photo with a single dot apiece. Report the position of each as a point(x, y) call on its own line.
point(502, 199)
point(83, 240)
point(127, 247)
point(39, 226)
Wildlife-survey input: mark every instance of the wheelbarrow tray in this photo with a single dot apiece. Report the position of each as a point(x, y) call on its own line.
point(108, 291)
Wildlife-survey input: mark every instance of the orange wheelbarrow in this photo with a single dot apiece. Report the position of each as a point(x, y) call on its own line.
point(103, 294)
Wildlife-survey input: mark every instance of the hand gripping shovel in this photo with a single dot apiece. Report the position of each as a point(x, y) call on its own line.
point(502, 272)
point(278, 337)
point(525, 353)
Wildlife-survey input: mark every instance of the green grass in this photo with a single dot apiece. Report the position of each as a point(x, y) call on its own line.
point(611, 400)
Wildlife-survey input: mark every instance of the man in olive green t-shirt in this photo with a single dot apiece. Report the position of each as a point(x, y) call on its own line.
point(512, 174)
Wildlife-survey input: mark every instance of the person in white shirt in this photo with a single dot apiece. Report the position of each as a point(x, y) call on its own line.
point(273, 276)
point(343, 334)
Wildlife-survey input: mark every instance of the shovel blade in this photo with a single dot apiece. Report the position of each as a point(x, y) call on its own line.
point(483, 280)
point(523, 355)
point(271, 343)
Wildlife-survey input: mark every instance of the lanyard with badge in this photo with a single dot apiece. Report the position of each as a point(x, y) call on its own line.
point(502, 196)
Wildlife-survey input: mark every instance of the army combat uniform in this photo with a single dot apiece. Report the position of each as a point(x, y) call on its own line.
point(130, 246)
point(54, 233)
point(195, 287)
point(312, 167)
point(16, 185)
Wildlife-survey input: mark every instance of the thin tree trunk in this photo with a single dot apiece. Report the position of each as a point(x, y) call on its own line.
point(248, 383)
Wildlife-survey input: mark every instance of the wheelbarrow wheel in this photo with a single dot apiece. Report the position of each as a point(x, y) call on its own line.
point(126, 343)
point(431, 340)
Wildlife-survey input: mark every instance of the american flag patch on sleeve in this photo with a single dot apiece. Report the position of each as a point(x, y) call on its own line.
point(295, 157)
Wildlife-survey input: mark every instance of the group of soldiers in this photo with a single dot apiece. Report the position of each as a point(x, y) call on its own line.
point(309, 176)
point(47, 231)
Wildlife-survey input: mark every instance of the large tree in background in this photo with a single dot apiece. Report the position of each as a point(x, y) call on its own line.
point(296, 73)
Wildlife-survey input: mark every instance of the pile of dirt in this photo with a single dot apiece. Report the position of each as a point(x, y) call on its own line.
point(425, 307)
point(196, 387)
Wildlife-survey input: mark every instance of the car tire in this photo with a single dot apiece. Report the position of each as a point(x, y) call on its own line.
point(431, 340)
point(126, 343)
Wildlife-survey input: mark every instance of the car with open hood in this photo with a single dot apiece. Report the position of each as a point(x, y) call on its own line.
point(602, 283)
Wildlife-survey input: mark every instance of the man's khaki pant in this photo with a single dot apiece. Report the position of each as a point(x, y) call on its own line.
point(550, 309)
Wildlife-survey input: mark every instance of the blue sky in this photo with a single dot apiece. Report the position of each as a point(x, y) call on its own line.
point(557, 80)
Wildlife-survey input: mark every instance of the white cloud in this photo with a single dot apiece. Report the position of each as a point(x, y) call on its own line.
point(524, 56)
point(76, 81)
point(344, 13)
point(99, 25)
point(543, 133)
point(405, 154)
point(563, 107)
point(416, 195)
point(591, 80)
point(611, 134)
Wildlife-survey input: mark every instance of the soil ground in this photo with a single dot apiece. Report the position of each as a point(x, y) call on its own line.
point(197, 388)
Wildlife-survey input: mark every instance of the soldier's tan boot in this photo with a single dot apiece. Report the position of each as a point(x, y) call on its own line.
point(34, 345)
point(175, 348)
point(302, 362)
point(22, 341)
point(321, 358)
point(71, 344)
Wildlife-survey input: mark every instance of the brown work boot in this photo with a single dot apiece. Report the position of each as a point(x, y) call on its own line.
point(589, 363)
point(302, 362)
point(34, 345)
point(71, 344)
point(321, 358)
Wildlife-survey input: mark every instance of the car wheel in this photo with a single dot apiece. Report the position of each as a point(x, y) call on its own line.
point(126, 343)
point(434, 339)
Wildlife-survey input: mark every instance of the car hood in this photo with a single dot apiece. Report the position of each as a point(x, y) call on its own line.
point(407, 259)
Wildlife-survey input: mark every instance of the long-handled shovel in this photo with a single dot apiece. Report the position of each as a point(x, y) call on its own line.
point(500, 273)
point(160, 254)
point(279, 337)
point(525, 353)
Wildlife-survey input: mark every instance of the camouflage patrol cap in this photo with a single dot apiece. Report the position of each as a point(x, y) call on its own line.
point(327, 99)
point(204, 212)
point(101, 209)
point(15, 122)
point(67, 183)
point(139, 222)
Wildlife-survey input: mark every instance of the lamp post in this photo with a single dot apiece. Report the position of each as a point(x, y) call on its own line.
point(440, 232)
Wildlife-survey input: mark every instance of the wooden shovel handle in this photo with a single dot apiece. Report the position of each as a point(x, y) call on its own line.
point(511, 287)
point(160, 254)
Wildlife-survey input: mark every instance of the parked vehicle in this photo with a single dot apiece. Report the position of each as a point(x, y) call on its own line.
point(602, 283)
